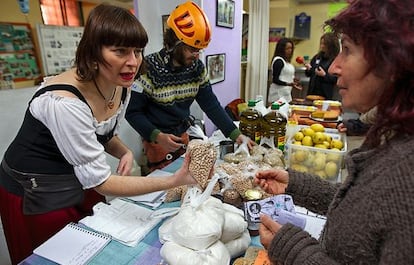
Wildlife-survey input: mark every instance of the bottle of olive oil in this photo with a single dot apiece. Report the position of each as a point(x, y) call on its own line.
point(274, 124)
point(250, 122)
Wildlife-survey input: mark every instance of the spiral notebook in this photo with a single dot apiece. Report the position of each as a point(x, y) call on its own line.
point(73, 245)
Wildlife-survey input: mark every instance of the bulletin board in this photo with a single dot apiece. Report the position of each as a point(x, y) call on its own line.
point(58, 46)
point(18, 58)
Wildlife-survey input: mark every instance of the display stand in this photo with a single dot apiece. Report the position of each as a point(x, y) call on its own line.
point(18, 59)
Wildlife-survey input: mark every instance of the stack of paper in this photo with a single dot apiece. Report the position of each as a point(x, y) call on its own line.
point(126, 222)
point(153, 199)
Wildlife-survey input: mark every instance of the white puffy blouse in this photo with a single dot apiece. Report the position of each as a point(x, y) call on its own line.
point(74, 128)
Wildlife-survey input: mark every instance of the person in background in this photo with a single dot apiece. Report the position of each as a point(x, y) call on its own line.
point(159, 109)
point(55, 169)
point(359, 126)
point(283, 72)
point(321, 82)
point(369, 215)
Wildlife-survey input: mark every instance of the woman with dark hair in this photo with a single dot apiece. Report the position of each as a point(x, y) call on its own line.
point(370, 215)
point(55, 170)
point(321, 82)
point(283, 72)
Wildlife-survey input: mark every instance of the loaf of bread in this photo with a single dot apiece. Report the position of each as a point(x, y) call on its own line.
point(325, 115)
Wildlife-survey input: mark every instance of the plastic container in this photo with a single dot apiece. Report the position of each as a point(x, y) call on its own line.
point(326, 163)
point(274, 124)
point(226, 147)
point(250, 122)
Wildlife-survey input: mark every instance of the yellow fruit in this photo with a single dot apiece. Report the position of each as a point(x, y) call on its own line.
point(320, 154)
point(308, 131)
point(300, 155)
point(322, 146)
point(331, 169)
point(327, 144)
point(317, 127)
point(297, 142)
point(318, 138)
point(309, 160)
point(337, 144)
point(320, 173)
point(298, 136)
point(319, 163)
point(328, 138)
point(299, 168)
point(307, 141)
point(333, 156)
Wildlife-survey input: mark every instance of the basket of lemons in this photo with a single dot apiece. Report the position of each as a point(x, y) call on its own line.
point(317, 150)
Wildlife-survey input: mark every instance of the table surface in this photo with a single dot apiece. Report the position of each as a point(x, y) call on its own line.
point(146, 252)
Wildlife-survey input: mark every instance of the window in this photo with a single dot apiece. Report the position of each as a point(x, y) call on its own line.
point(61, 12)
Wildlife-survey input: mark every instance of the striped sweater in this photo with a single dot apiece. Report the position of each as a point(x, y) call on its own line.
point(161, 98)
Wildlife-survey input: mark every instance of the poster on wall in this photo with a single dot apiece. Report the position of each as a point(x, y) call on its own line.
point(275, 34)
point(302, 26)
point(216, 65)
point(18, 61)
point(58, 46)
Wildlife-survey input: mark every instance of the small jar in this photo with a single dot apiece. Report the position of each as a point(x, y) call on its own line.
point(252, 195)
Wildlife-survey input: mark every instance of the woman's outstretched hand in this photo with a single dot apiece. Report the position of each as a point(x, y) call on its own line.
point(273, 181)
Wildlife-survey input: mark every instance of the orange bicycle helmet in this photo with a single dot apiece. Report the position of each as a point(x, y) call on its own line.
point(191, 25)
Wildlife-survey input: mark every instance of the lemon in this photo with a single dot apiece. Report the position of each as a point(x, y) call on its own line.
point(308, 131)
point(317, 127)
point(299, 168)
point(319, 163)
point(322, 154)
point(322, 146)
point(297, 142)
point(320, 173)
point(327, 144)
point(328, 138)
point(331, 169)
point(318, 138)
point(333, 156)
point(301, 155)
point(298, 136)
point(337, 144)
point(309, 160)
point(307, 141)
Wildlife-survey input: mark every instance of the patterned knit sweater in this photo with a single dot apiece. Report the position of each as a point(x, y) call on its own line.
point(161, 98)
point(369, 217)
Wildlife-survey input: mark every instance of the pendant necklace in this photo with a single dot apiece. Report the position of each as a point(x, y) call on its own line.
point(109, 103)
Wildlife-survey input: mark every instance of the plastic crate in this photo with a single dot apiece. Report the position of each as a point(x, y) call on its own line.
point(325, 163)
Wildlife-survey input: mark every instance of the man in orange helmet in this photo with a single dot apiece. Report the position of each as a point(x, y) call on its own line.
point(159, 109)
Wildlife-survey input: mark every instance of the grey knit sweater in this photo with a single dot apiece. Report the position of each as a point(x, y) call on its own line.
point(370, 217)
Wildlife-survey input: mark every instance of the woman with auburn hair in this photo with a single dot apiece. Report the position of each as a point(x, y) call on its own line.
point(370, 215)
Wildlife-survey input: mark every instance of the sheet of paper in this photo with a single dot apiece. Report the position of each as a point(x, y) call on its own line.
point(152, 197)
point(124, 221)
